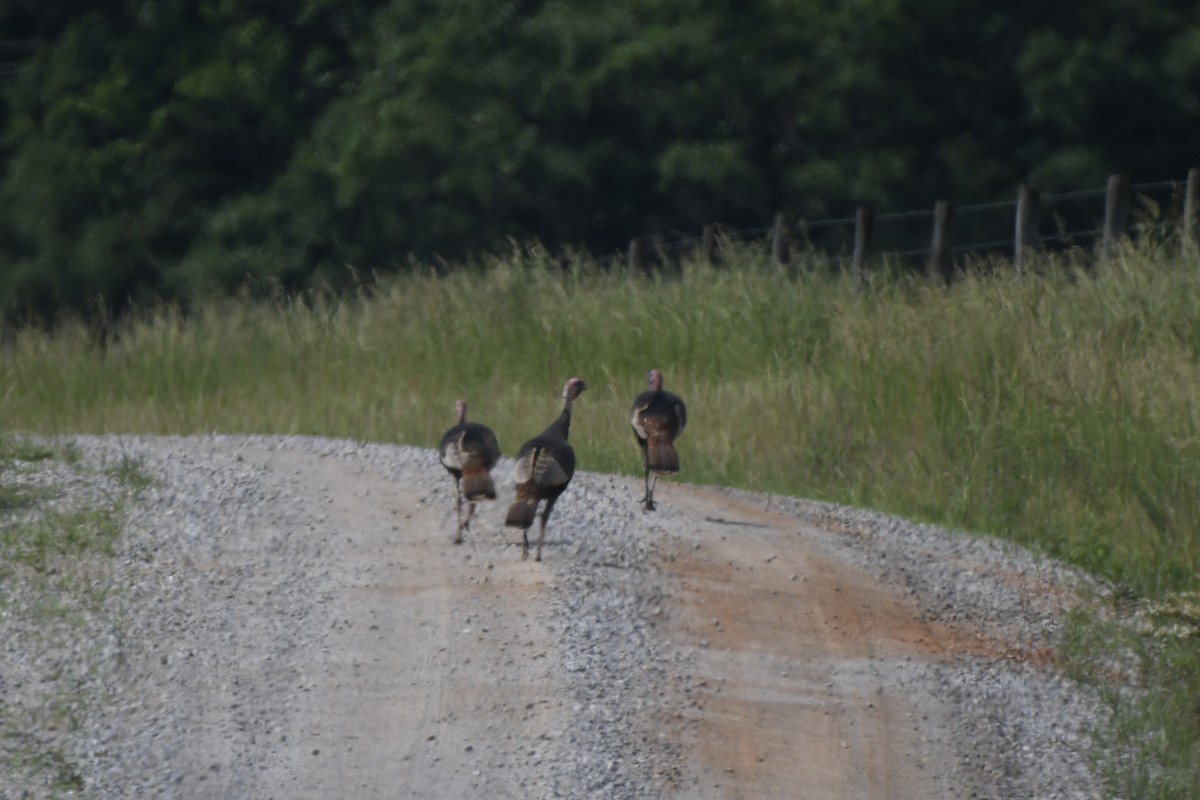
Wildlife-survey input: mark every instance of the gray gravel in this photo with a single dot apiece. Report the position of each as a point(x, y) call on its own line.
point(153, 673)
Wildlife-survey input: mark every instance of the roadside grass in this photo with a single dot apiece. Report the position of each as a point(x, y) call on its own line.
point(54, 553)
point(14, 450)
point(55, 769)
point(19, 448)
point(49, 533)
point(131, 474)
point(1148, 675)
point(54, 535)
point(1060, 411)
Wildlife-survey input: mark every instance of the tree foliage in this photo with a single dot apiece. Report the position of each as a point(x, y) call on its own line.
point(168, 149)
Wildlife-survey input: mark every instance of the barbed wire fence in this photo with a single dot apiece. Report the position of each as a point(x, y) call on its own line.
point(944, 237)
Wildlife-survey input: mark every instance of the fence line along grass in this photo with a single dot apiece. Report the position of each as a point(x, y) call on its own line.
point(1060, 410)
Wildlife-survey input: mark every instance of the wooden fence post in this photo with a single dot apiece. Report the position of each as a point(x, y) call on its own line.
point(779, 243)
point(941, 252)
point(1027, 238)
point(864, 224)
point(708, 245)
point(636, 257)
point(1116, 215)
point(1191, 213)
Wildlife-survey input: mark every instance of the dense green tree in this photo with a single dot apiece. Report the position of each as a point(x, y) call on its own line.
point(1116, 88)
point(172, 148)
point(136, 124)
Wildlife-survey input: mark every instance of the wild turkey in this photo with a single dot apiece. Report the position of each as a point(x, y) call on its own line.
point(469, 451)
point(658, 418)
point(545, 465)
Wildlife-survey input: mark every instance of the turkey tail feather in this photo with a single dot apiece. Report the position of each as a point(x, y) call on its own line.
point(661, 456)
point(523, 510)
point(477, 485)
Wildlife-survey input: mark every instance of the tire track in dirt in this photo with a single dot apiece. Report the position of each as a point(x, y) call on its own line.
point(799, 687)
point(435, 676)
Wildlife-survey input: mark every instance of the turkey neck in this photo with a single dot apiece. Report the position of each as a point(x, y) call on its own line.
point(561, 426)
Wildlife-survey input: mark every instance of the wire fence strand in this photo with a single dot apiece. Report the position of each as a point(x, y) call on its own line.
point(982, 225)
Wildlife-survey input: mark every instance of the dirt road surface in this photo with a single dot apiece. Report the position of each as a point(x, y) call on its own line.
point(300, 625)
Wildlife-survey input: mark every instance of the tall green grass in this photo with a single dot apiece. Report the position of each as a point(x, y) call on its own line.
point(1060, 411)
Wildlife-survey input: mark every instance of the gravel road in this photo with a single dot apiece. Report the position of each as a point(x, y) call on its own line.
point(286, 617)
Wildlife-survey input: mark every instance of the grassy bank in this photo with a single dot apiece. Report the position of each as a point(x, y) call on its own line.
point(1061, 411)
